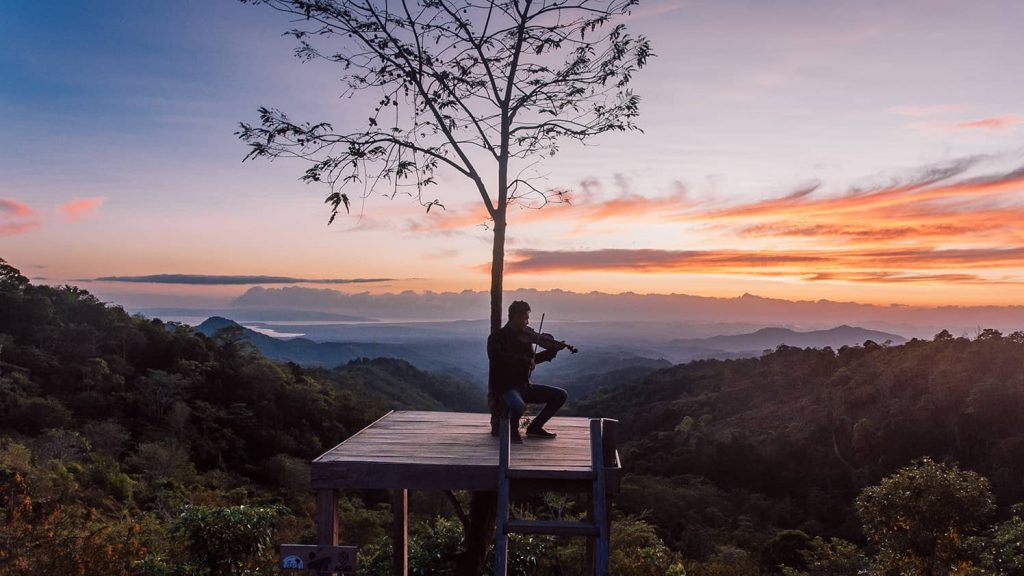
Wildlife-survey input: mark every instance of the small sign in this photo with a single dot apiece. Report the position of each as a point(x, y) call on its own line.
point(319, 559)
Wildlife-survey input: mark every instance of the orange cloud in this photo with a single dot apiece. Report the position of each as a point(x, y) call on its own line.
point(78, 209)
point(927, 210)
point(943, 225)
point(13, 208)
point(581, 210)
point(448, 222)
point(885, 265)
point(900, 278)
point(994, 123)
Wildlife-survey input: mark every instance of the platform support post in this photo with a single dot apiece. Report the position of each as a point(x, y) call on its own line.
point(601, 511)
point(501, 535)
point(589, 549)
point(327, 517)
point(400, 532)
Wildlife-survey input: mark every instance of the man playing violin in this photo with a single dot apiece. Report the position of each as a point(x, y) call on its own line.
point(511, 354)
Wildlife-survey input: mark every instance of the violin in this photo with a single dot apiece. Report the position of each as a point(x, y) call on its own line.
point(545, 340)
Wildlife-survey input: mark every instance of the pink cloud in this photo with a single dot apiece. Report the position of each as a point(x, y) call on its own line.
point(993, 123)
point(14, 208)
point(15, 228)
point(78, 209)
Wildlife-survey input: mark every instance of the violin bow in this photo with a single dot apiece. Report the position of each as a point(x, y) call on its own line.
point(537, 343)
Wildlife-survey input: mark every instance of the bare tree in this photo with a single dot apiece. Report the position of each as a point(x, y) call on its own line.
point(482, 88)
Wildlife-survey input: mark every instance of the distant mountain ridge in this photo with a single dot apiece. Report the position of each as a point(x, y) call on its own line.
point(771, 338)
point(254, 314)
point(434, 348)
point(748, 309)
point(380, 370)
point(331, 354)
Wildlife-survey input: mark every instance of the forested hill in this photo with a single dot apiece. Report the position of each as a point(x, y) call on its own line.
point(724, 452)
point(133, 447)
point(70, 363)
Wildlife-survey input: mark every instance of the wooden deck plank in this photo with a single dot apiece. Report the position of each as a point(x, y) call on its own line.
point(452, 451)
point(457, 459)
point(469, 416)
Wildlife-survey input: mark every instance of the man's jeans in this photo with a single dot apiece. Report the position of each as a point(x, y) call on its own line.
point(553, 398)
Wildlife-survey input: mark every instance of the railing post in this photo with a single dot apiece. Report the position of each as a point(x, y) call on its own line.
point(600, 501)
point(610, 441)
point(589, 550)
point(501, 537)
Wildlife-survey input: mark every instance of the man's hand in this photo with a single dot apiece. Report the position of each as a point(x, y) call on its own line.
point(532, 364)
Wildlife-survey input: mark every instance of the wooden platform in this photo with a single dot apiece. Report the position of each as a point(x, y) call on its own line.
point(454, 451)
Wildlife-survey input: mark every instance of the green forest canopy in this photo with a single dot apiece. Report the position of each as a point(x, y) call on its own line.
point(118, 431)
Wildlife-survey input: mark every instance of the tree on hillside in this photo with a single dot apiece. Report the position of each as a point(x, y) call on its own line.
point(11, 279)
point(921, 516)
point(482, 88)
point(485, 89)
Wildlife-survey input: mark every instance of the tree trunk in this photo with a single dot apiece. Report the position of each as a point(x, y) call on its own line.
point(483, 511)
point(497, 268)
point(483, 507)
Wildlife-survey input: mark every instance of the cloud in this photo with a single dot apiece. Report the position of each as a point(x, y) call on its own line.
point(15, 228)
point(447, 222)
point(220, 280)
point(595, 309)
point(937, 204)
point(81, 208)
point(581, 210)
point(956, 222)
point(15, 209)
point(993, 123)
point(897, 277)
point(882, 265)
point(20, 218)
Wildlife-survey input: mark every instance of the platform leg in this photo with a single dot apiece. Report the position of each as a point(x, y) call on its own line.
point(500, 534)
point(601, 512)
point(590, 550)
point(327, 517)
point(400, 532)
point(326, 521)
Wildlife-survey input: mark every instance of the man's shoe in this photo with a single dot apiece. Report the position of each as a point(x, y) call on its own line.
point(540, 433)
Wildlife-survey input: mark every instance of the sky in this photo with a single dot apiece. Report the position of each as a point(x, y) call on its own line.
point(851, 151)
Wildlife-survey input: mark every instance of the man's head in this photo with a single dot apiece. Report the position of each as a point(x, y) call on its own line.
point(519, 315)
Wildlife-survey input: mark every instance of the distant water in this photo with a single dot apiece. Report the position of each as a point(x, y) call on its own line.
point(255, 327)
point(267, 327)
point(271, 332)
point(197, 320)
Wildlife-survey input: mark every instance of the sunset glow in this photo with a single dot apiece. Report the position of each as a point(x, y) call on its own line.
point(823, 153)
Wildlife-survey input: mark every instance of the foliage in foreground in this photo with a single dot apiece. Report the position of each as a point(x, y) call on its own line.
point(729, 453)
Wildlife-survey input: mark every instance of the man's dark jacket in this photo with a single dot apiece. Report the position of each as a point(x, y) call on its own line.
point(510, 362)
